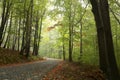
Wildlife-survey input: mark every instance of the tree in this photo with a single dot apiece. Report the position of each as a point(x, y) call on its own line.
point(7, 4)
point(107, 57)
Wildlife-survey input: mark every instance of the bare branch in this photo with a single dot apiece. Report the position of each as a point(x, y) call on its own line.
point(82, 15)
point(114, 15)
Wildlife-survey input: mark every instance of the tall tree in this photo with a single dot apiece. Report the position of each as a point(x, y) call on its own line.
point(35, 50)
point(29, 19)
point(108, 64)
point(7, 4)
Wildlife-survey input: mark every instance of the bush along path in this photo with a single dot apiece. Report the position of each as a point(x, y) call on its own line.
point(74, 71)
point(31, 71)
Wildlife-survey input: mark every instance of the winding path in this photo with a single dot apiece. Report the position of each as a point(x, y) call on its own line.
point(32, 71)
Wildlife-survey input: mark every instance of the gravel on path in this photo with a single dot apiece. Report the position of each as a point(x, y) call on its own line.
point(33, 71)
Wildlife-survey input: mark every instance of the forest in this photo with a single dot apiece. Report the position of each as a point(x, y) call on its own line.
point(85, 32)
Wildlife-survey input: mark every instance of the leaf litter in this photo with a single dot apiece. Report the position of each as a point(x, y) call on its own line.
point(74, 71)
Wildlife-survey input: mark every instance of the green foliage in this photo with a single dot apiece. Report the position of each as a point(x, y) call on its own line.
point(8, 56)
point(12, 57)
point(34, 58)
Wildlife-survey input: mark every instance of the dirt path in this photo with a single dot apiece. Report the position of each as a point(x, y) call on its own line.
point(32, 71)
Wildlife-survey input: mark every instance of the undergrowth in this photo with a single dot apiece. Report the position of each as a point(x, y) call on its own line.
point(10, 57)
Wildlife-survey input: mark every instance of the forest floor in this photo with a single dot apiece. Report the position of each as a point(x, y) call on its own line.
point(74, 71)
point(10, 57)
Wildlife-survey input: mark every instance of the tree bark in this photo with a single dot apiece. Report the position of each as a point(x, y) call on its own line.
point(63, 45)
point(106, 50)
point(29, 24)
point(35, 50)
point(70, 32)
point(19, 26)
point(81, 51)
point(40, 29)
point(24, 31)
point(101, 36)
point(5, 15)
point(113, 72)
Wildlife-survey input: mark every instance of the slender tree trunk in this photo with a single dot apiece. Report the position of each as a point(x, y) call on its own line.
point(14, 40)
point(28, 28)
point(63, 49)
point(2, 21)
point(19, 26)
point(4, 33)
point(116, 39)
point(40, 29)
point(81, 51)
point(35, 52)
point(70, 43)
point(5, 15)
point(24, 31)
point(9, 33)
point(27, 36)
point(23, 39)
point(7, 36)
point(70, 33)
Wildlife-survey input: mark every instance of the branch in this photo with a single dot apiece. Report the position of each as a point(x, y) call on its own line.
point(82, 15)
point(114, 15)
point(117, 3)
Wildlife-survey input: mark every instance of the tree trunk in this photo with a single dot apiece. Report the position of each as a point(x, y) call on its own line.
point(4, 34)
point(35, 50)
point(113, 72)
point(81, 51)
point(70, 43)
point(27, 35)
point(9, 32)
point(19, 26)
point(14, 39)
point(40, 29)
point(29, 24)
point(24, 31)
point(70, 32)
point(8, 36)
point(106, 50)
point(23, 39)
point(101, 36)
point(63, 49)
point(5, 15)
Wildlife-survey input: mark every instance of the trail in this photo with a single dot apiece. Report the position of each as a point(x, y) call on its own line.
point(31, 71)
